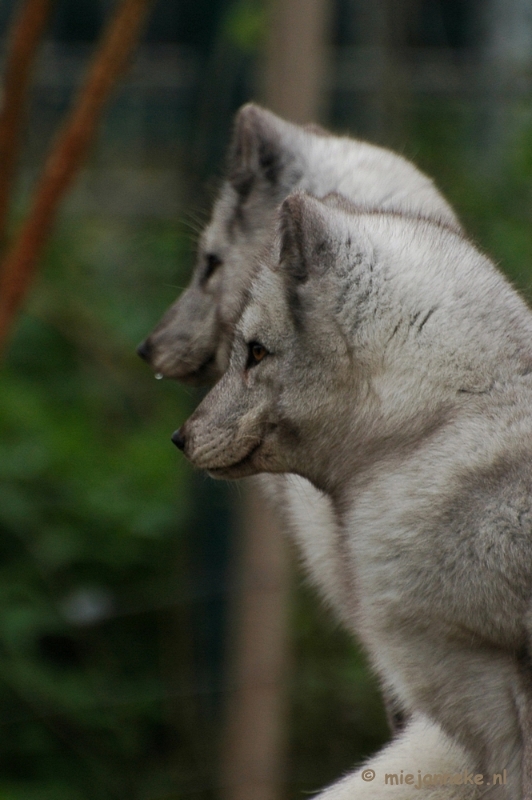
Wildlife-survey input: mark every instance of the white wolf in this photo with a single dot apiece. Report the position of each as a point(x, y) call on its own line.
point(386, 360)
point(268, 158)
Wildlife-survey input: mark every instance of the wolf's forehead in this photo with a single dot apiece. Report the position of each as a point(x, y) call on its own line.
point(268, 288)
point(265, 304)
point(251, 320)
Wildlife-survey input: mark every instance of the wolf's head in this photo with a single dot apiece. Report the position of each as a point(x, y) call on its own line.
point(192, 342)
point(361, 335)
point(268, 159)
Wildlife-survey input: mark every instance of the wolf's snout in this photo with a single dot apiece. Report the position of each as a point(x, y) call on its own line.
point(178, 439)
point(144, 350)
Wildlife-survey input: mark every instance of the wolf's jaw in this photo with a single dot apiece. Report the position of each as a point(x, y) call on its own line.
point(239, 469)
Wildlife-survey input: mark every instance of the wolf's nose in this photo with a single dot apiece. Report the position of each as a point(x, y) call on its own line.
point(144, 350)
point(178, 439)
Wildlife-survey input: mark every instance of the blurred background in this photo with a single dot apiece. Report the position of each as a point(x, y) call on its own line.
point(118, 564)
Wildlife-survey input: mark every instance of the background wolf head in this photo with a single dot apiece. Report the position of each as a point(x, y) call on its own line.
point(269, 158)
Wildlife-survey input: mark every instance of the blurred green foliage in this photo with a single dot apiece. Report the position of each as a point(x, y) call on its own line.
point(489, 187)
point(245, 25)
point(94, 508)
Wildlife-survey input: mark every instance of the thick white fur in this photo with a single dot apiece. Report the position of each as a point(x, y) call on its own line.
point(422, 748)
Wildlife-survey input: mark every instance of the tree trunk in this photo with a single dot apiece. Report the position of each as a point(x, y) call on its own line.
point(295, 69)
point(254, 735)
point(253, 750)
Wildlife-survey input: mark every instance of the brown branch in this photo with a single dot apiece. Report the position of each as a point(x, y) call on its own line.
point(67, 155)
point(253, 756)
point(25, 34)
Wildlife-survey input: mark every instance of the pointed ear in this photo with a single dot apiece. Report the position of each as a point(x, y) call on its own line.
point(261, 148)
point(307, 240)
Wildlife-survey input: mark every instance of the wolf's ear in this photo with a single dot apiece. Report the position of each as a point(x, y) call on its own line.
point(307, 239)
point(262, 147)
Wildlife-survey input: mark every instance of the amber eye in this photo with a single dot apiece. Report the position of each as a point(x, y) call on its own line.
point(256, 353)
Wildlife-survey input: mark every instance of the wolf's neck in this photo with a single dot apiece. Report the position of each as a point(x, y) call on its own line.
point(362, 459)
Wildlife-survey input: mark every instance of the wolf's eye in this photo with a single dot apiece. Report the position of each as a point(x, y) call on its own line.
point(256, 353)
point(212, 262)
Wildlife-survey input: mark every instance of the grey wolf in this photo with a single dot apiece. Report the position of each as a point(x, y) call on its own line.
point(385, 360)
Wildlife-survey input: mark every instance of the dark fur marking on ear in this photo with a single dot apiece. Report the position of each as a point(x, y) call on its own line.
point(292, 233)
point(270, 163)
point(295, 307)
point(242, 182)
point(321, 248)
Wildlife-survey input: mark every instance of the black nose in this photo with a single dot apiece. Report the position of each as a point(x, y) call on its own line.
point(178, 439)
point(144, 350)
